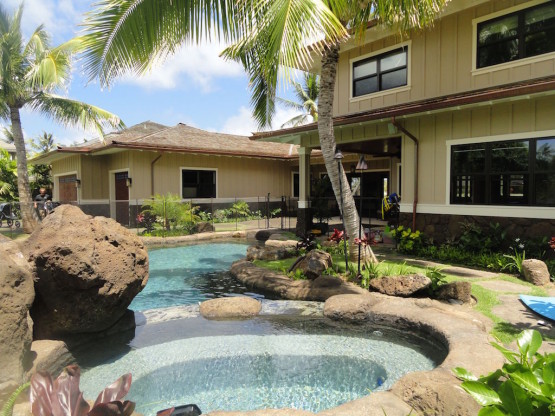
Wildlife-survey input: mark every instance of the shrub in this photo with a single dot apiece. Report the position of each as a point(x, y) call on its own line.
point(168, 209)
point(407, 241)
point(525, 385)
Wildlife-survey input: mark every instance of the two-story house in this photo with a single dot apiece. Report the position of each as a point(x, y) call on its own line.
point(463, 115)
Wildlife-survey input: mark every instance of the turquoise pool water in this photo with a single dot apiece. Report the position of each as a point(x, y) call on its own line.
point(307, 363)
point(190, 274)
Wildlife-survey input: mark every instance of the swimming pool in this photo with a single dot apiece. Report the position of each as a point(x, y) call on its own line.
point(274, 361)
point(191, 274)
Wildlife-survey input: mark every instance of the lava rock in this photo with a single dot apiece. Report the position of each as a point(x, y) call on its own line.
point(314, 263)
point(87, 270)
point(16, 328)
point(406, 285)
point(455, 290)
point(535, 271)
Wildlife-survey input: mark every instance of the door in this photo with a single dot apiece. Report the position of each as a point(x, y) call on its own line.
point(67, 189)
point(375, 185)
point(122, 197)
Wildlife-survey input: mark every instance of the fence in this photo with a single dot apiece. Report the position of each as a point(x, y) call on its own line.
point(223, 214)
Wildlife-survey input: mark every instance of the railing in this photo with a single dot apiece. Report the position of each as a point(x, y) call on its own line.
point(222, 214)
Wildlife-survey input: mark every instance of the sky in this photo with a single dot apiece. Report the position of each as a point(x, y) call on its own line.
point(195, 86)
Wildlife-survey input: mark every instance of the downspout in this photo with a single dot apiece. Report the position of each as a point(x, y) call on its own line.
point(415, 140)
point(152, 174)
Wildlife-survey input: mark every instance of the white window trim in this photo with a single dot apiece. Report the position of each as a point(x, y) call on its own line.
point(475, 209)
point(56, 177)
point(182, 168)
point(401, 88)
point(505, 65)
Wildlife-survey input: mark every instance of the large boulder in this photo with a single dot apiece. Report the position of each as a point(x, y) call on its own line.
point(405, 285)
point(16, 328)
point(87, 271)
point(535, 271)
point(314, 263)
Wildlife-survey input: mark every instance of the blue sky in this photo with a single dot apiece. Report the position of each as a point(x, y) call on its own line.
point(194, 87)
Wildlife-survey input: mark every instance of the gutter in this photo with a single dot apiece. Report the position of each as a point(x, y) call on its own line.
point(415, 140)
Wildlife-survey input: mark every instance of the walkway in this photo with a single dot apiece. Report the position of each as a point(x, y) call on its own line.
point(510, 309)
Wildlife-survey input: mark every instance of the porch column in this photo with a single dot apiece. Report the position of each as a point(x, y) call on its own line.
point(304, 216)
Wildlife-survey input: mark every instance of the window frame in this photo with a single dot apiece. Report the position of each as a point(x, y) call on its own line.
point(405, 46)
point(515, 10)
point(195, 168)
point(489, 175)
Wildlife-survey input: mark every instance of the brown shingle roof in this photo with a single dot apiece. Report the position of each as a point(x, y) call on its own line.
point(180, 139)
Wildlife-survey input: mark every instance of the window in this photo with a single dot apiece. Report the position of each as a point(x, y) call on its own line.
point(198, 183)
point(296, 184)
point(515, 172)
point(379, 73)
point(518, 35)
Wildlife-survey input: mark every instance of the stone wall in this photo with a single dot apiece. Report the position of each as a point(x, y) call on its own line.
point(442, 227)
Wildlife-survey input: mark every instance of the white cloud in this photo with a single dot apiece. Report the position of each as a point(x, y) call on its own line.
point(191, 64)
point(59, 17)
point(244, 124)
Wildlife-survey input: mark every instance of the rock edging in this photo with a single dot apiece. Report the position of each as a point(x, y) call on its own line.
point(318, 289)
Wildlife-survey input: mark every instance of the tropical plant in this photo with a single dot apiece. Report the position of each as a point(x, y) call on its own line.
point(437, 277)
point(408, 241)
point(7, 134)
point(516, 259)
point(62, 397)
point(8, 177)
point(267, 35)
point(7, 408)
point(525, 385)
point(169, 209)
point(240, 209)
point(41, 175)
point(30, 74)
point(337, 235)
point(307, 100)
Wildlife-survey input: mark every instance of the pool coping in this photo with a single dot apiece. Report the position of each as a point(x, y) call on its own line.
point(462, 331)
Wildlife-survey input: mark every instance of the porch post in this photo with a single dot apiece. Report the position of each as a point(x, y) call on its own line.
point(304, 216)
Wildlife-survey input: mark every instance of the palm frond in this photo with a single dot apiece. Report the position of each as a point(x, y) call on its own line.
point(280, 40)
point(37, 44)
point(290, 104)
point(52, 67)
point(296, 121)
point(406, 14)
point(130, 35)
point(75, 113)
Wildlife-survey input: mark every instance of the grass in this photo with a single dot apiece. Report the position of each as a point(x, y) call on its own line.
point(486, 299)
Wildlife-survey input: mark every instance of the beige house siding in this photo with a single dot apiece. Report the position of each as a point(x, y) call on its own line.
point(440, 62)
point(506, 121)
point(236, 176)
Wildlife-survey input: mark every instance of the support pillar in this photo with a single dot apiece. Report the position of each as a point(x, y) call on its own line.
point(304, 214)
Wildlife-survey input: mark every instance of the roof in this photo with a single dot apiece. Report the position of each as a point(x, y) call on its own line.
point(446, 102)
point(178, 139)
point(7, 146)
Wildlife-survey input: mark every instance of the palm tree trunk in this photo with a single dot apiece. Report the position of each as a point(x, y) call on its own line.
point(28, 214)
point(328, 146)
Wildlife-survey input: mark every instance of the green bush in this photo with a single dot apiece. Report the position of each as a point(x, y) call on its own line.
point(171, 212)
point(407, 241)
point(525, 385)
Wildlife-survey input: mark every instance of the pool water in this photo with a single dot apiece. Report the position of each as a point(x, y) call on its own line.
point(191, 274)
point(308, 363)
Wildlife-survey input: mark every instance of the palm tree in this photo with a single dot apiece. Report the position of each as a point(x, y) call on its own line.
point(30, 74)
point(307, 96)
point(7, 133)
point(268, 35)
